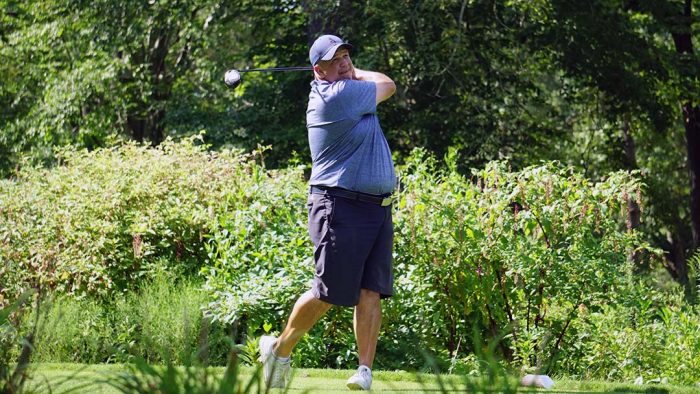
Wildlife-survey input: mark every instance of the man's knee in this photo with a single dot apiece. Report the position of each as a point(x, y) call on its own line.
point(368, 296)
point(322, 306)
point(312, 301)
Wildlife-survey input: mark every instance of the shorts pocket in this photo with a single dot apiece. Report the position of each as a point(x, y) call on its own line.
point(309, 204)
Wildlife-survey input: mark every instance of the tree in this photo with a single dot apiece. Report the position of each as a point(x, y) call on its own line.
point(642, 77)
point(85, 72)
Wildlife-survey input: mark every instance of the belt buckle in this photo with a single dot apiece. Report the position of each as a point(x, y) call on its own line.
point(387, 201)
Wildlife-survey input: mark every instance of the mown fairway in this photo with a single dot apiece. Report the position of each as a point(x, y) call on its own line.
point(93, 379)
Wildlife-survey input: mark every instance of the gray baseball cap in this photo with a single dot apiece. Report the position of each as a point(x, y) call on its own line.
point(324, 48)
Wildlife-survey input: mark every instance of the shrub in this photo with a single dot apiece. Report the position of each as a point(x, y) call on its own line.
point(654, 335)
point(102, 220)
point(517, 254)
point(259, 249)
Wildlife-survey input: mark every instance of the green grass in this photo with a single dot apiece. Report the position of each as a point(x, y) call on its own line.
point(83, 378)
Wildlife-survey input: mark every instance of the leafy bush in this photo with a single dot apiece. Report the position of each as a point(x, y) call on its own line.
point(105, 219)
point(261, 263)
point(259, 249)
point(517, 254)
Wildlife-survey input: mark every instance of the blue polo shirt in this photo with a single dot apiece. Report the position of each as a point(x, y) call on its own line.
point(348, 147)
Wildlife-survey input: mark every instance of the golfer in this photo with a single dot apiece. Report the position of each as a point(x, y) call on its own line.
point(349, 206)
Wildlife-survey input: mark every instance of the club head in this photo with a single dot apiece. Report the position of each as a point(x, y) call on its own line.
point(232, 78)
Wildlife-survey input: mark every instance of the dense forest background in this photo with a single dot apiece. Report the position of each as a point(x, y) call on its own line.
point(601, 85)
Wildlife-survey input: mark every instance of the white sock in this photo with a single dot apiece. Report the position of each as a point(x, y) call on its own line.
point(282, 359)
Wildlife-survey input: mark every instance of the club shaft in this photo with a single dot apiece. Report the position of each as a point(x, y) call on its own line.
point(275, 69)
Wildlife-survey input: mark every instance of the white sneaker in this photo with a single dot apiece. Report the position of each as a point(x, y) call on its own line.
point(275, 372)
point(361, 380)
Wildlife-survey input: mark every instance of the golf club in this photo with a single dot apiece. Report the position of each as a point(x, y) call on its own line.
point(232, 78)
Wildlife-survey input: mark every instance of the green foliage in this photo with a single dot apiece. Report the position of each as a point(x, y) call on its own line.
point(190, 377)
point(106, 218)
point(86, 73)
point(495, 79)
point(638, 75)
point(17, 347)
point(463, 81)
point(653, 336)
point(57, 89)
point(522, 80)
point(14, 345)
point(694, 276)
point(163, 322)
point(528, 259)
point(259, 247)
point(74, 331)
point(515, 253)
point(331, 343)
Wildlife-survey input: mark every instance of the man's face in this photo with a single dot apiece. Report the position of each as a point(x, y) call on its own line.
point(340, 67)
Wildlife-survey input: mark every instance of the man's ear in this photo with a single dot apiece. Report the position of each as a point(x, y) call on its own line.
point(318, 70)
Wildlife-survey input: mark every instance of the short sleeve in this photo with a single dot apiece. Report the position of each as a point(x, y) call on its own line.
point(360, 96)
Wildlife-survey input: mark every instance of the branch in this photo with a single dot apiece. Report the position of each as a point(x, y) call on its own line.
point(507, 304)
point(561, 337)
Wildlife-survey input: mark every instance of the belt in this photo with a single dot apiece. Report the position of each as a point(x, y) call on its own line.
point(384, 201)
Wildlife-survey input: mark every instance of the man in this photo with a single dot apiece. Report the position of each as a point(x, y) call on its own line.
point(349, 207)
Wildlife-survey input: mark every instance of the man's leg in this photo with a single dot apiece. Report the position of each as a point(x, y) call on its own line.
point(367, 321)
point(307, 310)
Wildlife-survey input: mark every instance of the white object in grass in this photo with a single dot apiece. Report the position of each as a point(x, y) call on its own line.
point(542, 381)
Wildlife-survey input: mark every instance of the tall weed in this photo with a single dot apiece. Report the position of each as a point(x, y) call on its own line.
point(162, 322)
point(15, 348)
point(656, 336)
point(74, 330)
point(165, 320)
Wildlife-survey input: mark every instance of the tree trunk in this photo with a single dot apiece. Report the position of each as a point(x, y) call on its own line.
point(162, 80)
point(675, 256)
point(691, 121)
point(634, 212)
point(145, 119)
point(682, 39)
point(137, 127)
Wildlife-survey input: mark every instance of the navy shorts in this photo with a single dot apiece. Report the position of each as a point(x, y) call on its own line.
point(353, 242)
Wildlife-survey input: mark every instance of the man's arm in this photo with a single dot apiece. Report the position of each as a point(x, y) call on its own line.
point(385, 86)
